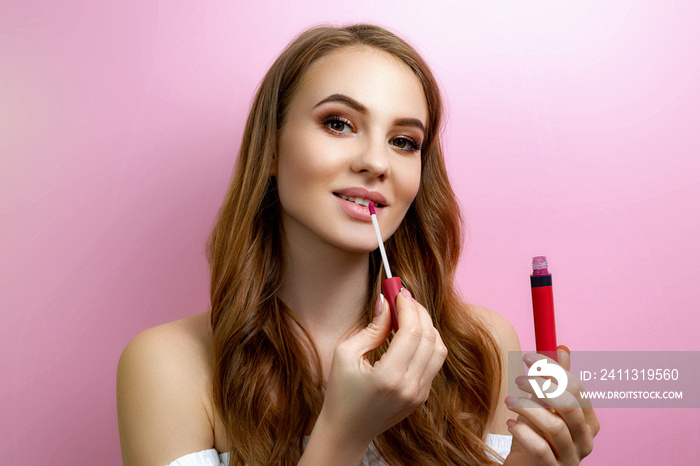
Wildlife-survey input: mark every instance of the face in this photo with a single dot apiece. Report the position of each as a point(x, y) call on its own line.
point(355, 128)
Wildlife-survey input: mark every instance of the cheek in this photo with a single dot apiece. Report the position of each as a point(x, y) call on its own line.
point(411, 184)
point(302, 168)
point(301, 165)
point(416, 185)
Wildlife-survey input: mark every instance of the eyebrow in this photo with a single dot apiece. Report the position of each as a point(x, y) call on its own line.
point(354, 104)
point(349, 101)
point(410, 122)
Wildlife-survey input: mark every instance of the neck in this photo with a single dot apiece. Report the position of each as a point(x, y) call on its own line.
point(324, 286)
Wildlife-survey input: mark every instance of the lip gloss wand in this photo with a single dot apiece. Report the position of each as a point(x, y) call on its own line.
point(543, 308)
point(391, 285)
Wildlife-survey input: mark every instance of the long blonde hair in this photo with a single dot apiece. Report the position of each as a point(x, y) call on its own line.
point(263, 383)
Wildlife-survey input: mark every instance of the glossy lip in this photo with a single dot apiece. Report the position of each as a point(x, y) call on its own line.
point(357, 211)
point(374, 196)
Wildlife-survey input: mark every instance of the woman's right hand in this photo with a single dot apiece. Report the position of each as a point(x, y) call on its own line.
point(363, 400)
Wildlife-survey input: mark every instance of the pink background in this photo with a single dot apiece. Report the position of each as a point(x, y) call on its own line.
point(572, 133)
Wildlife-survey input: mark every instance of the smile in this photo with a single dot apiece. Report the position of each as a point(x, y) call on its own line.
point(356, 207)
point(357, 200)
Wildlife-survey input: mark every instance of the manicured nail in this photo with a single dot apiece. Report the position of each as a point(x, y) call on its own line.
point(406, 294)
point(530, 358)
point(379, 307)
point(510, 400)
point(511, 422)
point(519, 380)
point(564, 348)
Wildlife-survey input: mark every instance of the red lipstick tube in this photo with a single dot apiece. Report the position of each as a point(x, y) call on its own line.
point(543, 308)
point(392, 287)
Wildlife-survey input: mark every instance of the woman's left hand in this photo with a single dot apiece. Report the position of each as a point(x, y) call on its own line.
point(551, 431)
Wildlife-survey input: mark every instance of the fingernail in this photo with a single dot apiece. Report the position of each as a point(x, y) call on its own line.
point(564, 348)
point(406, 294)
point(530, 358)
point(510, 400)
point(520, 379)
point(511, 422)
point(379, 307)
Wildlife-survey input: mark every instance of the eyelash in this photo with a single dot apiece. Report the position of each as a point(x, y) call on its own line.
point(336, 118)
point(413, 145)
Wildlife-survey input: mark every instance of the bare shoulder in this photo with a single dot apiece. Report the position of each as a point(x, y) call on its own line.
point(506, 339)
point(163, 378)
point(501, 329)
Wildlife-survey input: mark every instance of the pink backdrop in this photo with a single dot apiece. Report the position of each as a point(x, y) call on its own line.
point(569, 135)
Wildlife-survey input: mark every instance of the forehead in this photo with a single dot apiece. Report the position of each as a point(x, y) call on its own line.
point(377, 79)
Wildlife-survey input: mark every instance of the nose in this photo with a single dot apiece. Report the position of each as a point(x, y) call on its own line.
point(372, 158)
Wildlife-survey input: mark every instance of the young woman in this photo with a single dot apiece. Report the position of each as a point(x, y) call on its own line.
point(295, 362)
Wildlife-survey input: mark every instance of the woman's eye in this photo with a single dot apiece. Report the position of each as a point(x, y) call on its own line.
point(405, 144)
point(337, 124)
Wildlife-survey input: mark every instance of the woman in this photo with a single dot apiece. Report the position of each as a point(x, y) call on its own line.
point(294, 364)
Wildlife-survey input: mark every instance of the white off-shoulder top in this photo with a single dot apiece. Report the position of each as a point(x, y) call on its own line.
point(500, 443)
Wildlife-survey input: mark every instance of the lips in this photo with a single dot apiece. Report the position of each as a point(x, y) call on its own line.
point(353, 193)
point(355, 210)
point(358, 200)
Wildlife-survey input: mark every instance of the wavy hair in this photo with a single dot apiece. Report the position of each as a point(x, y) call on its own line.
point(263, 384)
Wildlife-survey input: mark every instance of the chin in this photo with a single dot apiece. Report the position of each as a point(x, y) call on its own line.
point(359, 246)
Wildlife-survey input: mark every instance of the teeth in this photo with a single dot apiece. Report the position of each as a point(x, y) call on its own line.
point(356, 200)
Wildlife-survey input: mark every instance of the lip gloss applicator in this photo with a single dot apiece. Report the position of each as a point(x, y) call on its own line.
point(543, 308)
point(390, 285)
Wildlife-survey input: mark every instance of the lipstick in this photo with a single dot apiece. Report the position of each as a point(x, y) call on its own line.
point(390, 285)
point(543, 308)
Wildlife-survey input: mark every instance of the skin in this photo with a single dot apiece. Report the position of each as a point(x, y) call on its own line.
point(326, 259)
point(326, 250)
